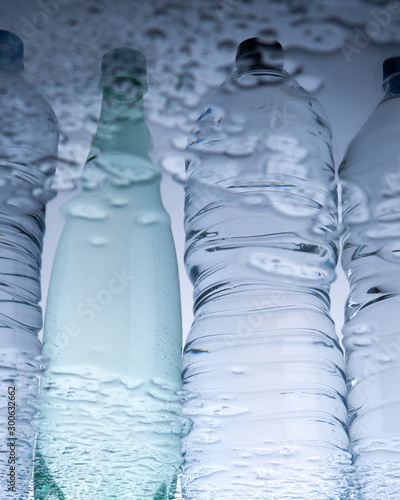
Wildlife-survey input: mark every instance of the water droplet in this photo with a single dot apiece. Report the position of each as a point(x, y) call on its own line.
point(363, 341)
point(245, 147)
point(174, 165)
point(388, 210)
point(287, 145)
point(227, 45)
point(269, 263)
point(292, 66)
point(287, 450)
point(98, 351)
point(155, 34)
point(213, 78)
point(204, 438)
point(357, 329)
point(118, 202)
point(262, 451)
point(234, 129)
point(86, 211)
point(310, 83)
point(246, 81)
point(23, 204)
point(253, 200)
point(180, 142)
point(385, 358)
point(238, 371)
point(148, 218)
point(268, 34)
point(283, 166)
point(99, 241)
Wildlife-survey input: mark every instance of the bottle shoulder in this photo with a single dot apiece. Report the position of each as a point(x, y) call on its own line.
point(375, 147)
point(28, 120)
point(261, 122)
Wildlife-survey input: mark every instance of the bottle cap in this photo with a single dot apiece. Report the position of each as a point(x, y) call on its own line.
point(256, 53)
point(390, 67)
point(12, 47)
point(123, 63)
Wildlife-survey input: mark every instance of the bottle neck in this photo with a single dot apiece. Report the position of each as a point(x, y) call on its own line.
point(122, 129)
point(391, 86)
point(267, 75)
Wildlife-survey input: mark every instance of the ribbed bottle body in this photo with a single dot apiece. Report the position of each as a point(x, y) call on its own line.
point(370, 182)
point(263, 368)
point(28, 147)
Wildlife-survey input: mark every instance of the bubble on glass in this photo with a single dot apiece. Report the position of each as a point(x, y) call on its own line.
point(227, 45)
point(310, 83)
point(174, 165)
point(287, 145)
point(155, 34)
point(246, 81)
point(99, 241)
point(147, 219)
point(117, 201)
point(243, 148)
point(86, 211)
point(292, 66)
point(211, 77)
point(286, 167)
point(179, 142)
point(66, 177)
point(321, 36)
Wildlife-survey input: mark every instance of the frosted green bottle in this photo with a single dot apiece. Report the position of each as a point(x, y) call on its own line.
point(109, 425)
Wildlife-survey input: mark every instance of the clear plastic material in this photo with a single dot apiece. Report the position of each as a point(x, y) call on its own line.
point(263, 370)
point(109, 425)
point(370, 178)
point(28, 146)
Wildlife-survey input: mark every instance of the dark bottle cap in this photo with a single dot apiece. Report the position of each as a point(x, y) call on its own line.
point(12, 47)
point(255, 53)
point(390, 67)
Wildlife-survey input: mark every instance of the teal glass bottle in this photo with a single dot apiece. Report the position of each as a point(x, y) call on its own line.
point(109, 425)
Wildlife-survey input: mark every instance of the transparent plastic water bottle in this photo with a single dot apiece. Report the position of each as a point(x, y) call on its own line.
point(370, 177)
point(109, 424)
point(263, 369)
point(28, 142)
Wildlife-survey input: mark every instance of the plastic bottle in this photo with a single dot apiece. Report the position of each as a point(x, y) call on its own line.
point(370, 177)
point(108, 425)
point(263, 369)
point(28, 144)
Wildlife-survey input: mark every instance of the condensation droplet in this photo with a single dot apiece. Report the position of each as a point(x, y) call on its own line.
point(174, 165)
point(99, 241)
point(179, 142)
point(147, 219)
point(118, 202)
point(246, 81)
point(86, 211)
point(310, 83)
point(357, 329)
point(238, 371)
point(284, 167)
point(253, 200)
